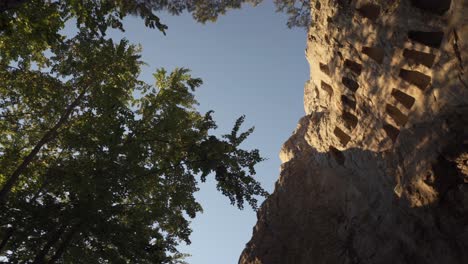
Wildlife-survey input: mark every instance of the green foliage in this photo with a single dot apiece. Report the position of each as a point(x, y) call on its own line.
point(297, 10)
point(120, 176)
point(97, 166)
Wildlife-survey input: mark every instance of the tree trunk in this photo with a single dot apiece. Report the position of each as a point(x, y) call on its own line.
point(48, 136)
point(66, 241)
point(8, 234)
point(39, 259)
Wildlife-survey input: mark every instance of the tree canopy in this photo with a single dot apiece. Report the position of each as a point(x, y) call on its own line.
point(97, 166)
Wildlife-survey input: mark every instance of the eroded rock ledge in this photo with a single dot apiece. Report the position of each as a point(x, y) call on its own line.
point(377, 171)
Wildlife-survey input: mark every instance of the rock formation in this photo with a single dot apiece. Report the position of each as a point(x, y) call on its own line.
point(377, 170)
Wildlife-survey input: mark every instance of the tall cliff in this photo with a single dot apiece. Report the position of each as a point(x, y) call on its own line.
point(377, 170)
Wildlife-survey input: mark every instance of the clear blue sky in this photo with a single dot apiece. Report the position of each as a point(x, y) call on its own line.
point(251, 64)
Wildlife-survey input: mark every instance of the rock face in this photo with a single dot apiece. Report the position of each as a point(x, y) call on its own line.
point(377, 170)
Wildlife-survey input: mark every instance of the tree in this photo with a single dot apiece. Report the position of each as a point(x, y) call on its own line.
point(95, 165)
point(297, 10)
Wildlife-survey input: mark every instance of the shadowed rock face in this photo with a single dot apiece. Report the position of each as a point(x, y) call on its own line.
point(377, 170)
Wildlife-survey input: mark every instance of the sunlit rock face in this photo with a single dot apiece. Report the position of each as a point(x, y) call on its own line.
point(377, 170)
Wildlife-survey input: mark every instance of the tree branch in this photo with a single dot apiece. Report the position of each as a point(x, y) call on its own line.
point(53, 239)
point(8, 234)
point(66, 241)
point(48, 136)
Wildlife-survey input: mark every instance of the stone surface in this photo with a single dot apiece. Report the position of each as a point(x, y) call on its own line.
point(377, 170)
